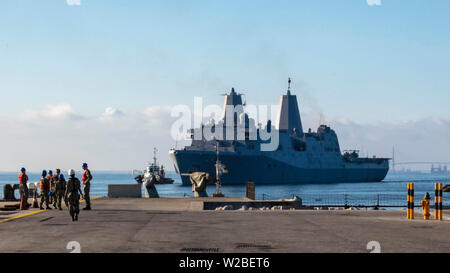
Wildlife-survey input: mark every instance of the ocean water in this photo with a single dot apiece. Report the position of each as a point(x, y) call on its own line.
point(391, 191)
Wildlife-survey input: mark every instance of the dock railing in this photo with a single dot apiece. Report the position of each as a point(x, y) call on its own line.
point(346, 200)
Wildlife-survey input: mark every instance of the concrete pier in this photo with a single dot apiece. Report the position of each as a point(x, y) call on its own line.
point(125, 190)
point(180, 225)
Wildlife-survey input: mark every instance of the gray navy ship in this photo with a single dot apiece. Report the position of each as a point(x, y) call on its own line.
point(300, 157)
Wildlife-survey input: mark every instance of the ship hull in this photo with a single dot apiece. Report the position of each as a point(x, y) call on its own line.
point(268, 170)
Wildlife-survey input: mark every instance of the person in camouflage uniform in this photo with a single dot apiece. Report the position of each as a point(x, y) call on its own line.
point(86, 178)
point(60, 191)
point(51, 195)
point(72, 190)
point(23, 187)
point(45, 189)
point(55, 180)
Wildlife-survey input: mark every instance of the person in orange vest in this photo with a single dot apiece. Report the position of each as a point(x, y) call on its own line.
point(45, 189)
point(86, 178)
point(23, 187)
point(425, 203)
point(52, 187)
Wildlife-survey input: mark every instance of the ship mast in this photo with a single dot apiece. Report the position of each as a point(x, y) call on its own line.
point(154, 159)
point(289, 86)
point(217, 169)
point(220, 169)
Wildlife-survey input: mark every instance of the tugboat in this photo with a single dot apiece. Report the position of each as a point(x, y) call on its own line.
point(153, 170)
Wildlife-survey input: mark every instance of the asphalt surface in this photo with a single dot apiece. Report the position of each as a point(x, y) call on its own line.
point(173, 225)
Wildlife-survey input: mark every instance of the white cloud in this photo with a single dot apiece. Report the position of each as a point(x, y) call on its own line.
point(57, 111)
point(58, 136)
point(73, 2)
point(159, 116)
point(53, 111)
point(426, 139)
point(111, 113)
point(373, 2)
point(158, 111)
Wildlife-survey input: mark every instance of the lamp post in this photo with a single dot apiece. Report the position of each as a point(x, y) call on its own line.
point(220, 169)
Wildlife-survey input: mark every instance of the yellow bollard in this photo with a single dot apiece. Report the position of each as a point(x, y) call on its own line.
point(412, 201)
point(440, 201)
point(408, 208)
point(436, 203)
point(425, 203)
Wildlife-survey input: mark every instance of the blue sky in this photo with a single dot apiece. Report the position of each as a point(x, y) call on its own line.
point(367, 63)
point(349, 61)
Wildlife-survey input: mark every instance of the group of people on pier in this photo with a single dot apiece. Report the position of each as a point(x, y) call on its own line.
point(54, 189)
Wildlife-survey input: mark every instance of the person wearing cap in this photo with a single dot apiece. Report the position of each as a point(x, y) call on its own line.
point(60, 190)
point(23, 187)
point(51, 193)
point(86, 178)
point(425, 203)
point(72, 190)
point(54, 181)
point(45, 189)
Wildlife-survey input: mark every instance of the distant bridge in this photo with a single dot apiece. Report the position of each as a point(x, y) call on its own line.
point(432, 163)
point(427, 163)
